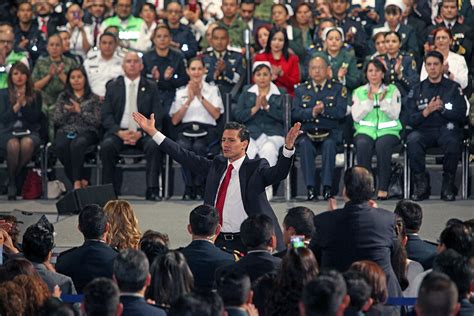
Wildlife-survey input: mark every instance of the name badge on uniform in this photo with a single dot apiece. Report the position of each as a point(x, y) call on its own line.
point(422, 104)
point(232, 61)
point(448, 106)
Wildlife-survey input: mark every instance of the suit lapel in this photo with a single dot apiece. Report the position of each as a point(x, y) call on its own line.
point(140, 95)
point(243, 179)
point(122, 98)
point(219, 173)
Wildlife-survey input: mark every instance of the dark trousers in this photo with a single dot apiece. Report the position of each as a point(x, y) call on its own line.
point(71, 153)
point(449, 140)
point(111, 147)
point(308, 150)
point(199, 146)
point(383, 146)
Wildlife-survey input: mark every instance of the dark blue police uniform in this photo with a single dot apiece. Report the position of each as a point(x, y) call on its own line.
point(186, 40)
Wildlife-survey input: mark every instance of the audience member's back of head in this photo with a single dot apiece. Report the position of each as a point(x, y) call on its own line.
point(257, 231)
point(459, 237)
point(131, 270)
point(301, 219)
point(212, 299)
point(325, 296)
point(101, 298)
point(437, 296)
point(298, 267)
point(17, 266)
point(457, 268)
point(376, 278)
point(92, 221)
point(170, 278)
point(12, 299)
point(55, 307)
point(153, 244)
point(37, 243)
point(204, 220)
point(234, 288)
point(358, 184)
point(190, 304)
point(358, 290)
point(411, 213)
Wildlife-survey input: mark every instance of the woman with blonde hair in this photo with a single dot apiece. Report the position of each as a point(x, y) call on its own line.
point(124, 232)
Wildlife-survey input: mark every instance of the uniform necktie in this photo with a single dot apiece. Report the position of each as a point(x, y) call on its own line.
point(44, 26)
point(132, 104)
point(450, 26)
point(96, 32)
point(318, 87)
point(223, 192)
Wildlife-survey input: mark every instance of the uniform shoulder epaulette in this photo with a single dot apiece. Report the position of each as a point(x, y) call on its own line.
point(92, 54)
point(235, 253)
point(303, 83)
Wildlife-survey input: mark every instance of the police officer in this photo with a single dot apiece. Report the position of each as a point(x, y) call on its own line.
point(8, 56)
point(183, 37)
point(437, 113)
point(224, 64)
point(319, 105)
point(27, 34)
point(103, 64)
point(401, 68)
point(165, 66)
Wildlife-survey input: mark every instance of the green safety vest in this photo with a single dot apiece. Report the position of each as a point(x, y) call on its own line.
point(376, 123)
point(130, 32)
point(11, 59)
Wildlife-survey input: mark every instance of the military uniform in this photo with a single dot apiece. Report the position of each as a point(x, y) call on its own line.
point(318, 48)
point(100, 71)
point(353, 76)
point(232, 73)
point(334, 97)
point(442, 128)
point(186, 40)
point(36, 43)
point(409, 42)
point(359, 41)
point(236, 31)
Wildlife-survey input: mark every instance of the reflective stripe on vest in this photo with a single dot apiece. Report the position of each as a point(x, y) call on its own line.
point(366, 123)
point(387, 124)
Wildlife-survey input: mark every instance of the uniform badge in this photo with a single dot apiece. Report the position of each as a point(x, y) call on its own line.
point(450, 126)
point(306, 98)
point(404, 35)
point(143, 89)
point(413, 64)
point(448, 106)
point(344, 92)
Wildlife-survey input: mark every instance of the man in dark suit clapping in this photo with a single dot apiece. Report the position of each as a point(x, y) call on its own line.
point(125, 95)
point(235, 184)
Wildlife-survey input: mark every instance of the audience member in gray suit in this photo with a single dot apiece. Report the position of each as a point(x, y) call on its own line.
point(38, 243)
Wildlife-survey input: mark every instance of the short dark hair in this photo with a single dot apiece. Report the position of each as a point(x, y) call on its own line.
point(37, 243)
point(101, 297)
point(153, 244)
point(256, 231)
point(204, 220)
point(457, 237)
point(301, 219)
point(457, 268)
point(435, 54)
point(393, 9)
point(55, 307)
point(108, 34)
point(92, 221)
point(131, 270)
point(411, 213)
point(190, 304)
point(393, 33)
point(359, 184)
point(220, 28)
point(358, 289)
point(437, 295)
point(248, 2)
point(234, 288)
point(324, 295)
point(377, 64)
point(244, 133)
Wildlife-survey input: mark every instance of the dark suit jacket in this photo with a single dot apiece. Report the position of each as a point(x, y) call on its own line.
point(421, 251)
point(255, 175)
point(83, 264)
point(356, 232)
point(137, 306)
point(203, 259)
point(53, 278)
point(254, 264)
point(148, 101)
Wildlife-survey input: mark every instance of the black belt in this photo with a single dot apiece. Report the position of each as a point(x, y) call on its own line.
point(229, 236)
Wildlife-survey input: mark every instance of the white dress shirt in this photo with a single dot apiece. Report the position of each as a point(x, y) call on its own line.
point(75, 43)
point(127, 114)
point(196, 111)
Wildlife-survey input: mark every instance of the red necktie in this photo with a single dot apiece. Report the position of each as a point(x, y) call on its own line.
point(44, 27)
point(222, 192)
point(96, 32)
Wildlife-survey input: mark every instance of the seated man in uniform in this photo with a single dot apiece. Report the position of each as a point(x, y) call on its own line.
point(437, 113)
point(319, 105)
point(224, 64)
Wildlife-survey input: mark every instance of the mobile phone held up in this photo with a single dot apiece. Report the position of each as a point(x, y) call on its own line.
point(297, 242)
point(192, 5)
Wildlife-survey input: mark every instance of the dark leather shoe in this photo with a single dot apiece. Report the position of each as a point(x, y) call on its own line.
point(199, 193)
point(327, 192)
point(421, 187)
point(11, 192)
point(312, 194)
point(448, 189)
point(189, 194)
point(152, 194)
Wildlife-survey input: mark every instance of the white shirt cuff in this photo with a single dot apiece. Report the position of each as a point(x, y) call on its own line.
point(286, 152)
point(159, 137)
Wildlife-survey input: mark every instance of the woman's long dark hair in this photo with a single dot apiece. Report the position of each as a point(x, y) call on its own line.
point(29, 90)
point(268, 27)
point(274, 31)
point(87, 87)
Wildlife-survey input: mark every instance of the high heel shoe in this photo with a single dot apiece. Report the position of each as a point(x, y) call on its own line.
point(11, 192)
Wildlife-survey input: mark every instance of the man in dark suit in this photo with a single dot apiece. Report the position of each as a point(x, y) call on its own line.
point(241, 192)
point(417, 249)
point(247, 14)
point(202, 255)
point(125, 95)
point(258, 235)
point(131, 272)
point(101, 295)
point(94, 258)
point(236, 292)
point(357, 231)
point(38, 243)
